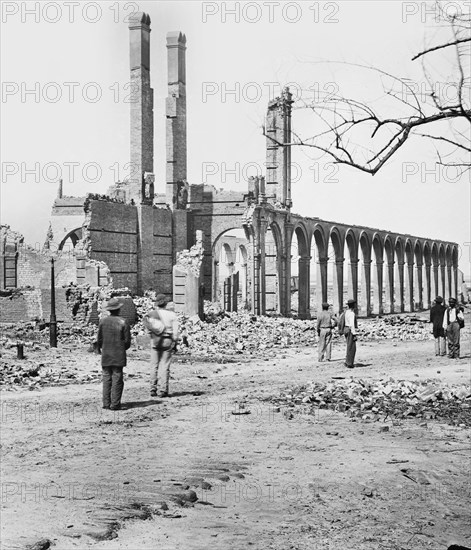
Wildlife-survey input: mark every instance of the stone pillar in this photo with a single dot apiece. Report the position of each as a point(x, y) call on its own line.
point(216, 282)
point(442, 282)
point(435, 282)
point(263, 282)
point(321, 282)
point(176, 121)
point(366, 288)
point(353, 281)
point(449, 281)
point(399, 287)
point(418, 286)
point(427, 295)
point(256, 276)
point(142, 105)
point(338, 285)
point(304, 270)
point(389, 286)
point(454, 286)
point(409, 288)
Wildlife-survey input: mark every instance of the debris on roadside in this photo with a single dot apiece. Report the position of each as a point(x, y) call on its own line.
point(382, 400)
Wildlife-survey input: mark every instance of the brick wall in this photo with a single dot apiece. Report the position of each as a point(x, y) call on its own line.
point(112, 233)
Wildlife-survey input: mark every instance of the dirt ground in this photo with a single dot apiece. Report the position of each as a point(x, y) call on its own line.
point(84, 477)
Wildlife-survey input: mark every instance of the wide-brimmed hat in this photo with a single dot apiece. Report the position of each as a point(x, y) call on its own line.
point(161, 300)
point(351, 302)
point(325, 305)
point(439, 299)
point(452, 301)
point(113, 304)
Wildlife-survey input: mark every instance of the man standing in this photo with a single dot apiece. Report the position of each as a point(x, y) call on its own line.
point(350, 332)
point(114, 338)
point(325, 323)
point(436, 318)
point(163, 342)
point(453, 321)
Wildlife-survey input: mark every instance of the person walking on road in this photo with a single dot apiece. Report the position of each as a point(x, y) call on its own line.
point(453, 322)
point(163, 328)
point(114, 338)
point(350, 332)
point(436, 318)
point(325, 323)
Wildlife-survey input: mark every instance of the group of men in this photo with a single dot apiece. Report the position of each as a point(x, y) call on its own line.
point(446, 325)
point(347, 325)
point(114, 338)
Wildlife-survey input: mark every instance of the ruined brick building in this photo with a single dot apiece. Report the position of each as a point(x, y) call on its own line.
point(133, 235)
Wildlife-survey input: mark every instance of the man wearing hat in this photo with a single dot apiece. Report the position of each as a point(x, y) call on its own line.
point(325, 323)
point(350, 332)
point(114, 338)
point(453, 320)
point(162, 345)
point(436, 318)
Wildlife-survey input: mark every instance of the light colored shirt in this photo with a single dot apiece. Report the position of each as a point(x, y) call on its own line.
point(450, 316)
point(350, 320)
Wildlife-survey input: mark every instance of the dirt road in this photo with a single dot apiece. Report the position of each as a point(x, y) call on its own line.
point(196, 471)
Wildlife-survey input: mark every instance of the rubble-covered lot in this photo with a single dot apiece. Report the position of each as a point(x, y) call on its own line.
point(268, 450)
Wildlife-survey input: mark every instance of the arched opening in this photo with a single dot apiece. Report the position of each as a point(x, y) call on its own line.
point(271, 276)
point(418, 277)
point(230, 285)
point(399, 275)
point(409, 277)
point(365, 293)
point(335, 294)
point(442, 272)
point(435, 272)
point(69, 242)
point(318, 270)
point(351, 276)
point(389, 275)
point(427, 277)
point(300, 274)
point(378, 290)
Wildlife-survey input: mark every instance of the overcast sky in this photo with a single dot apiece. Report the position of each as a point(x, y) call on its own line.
point(80, 130)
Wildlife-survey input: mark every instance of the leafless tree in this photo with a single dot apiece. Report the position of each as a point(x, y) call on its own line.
point(357, 134)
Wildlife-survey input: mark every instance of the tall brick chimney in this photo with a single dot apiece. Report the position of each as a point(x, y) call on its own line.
point(142, 116)
point(176, 119)
point(278, 153)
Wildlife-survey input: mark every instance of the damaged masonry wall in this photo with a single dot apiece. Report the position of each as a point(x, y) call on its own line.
point(26, 278)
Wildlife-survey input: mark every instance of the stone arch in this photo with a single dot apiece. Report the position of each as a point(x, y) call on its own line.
point(241, 267)
point(74, 236)
point(319, 259)
point(223, 255)
point(419, 295)
point(337, 242)
point(300, 277)
point(377, 247)
point(427, 275)
point(399, 274)
point(271, 279)
point(389, 273)
point(365, 273)
point(409, 276)
point(442, 286)
point(352, 244)
point(449, 271)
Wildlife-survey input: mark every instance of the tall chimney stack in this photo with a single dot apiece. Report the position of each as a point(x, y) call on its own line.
point(142, 104)
point(176, 118)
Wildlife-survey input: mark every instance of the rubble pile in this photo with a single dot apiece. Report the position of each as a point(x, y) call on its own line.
point(383, 400)
point(395, 327)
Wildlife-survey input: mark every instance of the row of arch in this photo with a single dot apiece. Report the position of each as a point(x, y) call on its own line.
point(384, 272)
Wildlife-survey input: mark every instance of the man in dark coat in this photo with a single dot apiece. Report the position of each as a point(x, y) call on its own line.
point(436, 318)
point(114, 338)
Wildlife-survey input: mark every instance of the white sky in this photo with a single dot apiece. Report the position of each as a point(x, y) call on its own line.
point(410, 195)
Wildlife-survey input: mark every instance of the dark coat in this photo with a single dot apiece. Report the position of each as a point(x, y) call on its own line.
point(114, 338)
point(436, 317)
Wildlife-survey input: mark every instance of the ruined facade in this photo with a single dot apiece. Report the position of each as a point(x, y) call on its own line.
point(137, 233)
